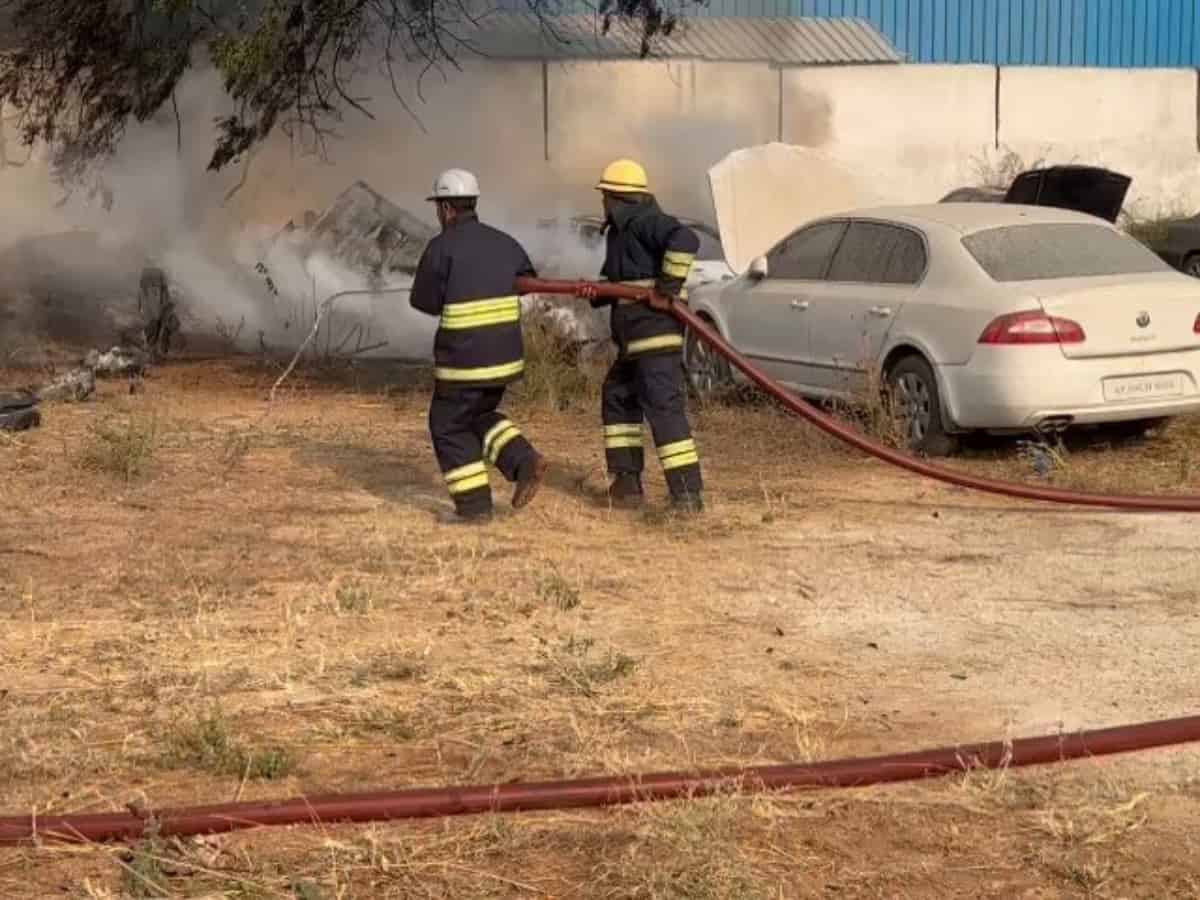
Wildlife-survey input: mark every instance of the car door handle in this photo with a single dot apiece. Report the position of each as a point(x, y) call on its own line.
point(799, 304)
point(881, 311)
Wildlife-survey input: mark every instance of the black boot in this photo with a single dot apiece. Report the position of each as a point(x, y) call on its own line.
point(626, 491)
point(688, 504)
point(529, 479)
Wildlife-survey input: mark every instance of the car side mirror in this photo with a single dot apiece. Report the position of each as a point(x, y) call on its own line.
point(758, 268)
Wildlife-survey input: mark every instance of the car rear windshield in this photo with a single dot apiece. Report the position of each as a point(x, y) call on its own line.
point(1059, 250)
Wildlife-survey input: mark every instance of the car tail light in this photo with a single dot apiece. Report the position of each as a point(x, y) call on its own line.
point(1033, 327)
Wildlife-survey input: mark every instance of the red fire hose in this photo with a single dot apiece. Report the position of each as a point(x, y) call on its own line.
point(593, 792)
point(830, 425)
point(608, 791)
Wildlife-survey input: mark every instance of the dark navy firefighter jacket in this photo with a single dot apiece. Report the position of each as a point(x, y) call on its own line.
point(466, 277)
point(646, 246)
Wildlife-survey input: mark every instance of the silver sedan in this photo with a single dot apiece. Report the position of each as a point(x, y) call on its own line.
point(979, 317)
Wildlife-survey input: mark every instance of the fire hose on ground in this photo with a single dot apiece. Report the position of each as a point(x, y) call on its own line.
point(423, 803)
point(623, 789)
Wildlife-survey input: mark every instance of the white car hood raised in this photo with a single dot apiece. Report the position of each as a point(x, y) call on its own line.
point(762, 194)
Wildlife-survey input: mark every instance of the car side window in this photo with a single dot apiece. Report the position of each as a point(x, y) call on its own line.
point(875, 253)
point(908, 260)
point(863, 253)
point(805, 254)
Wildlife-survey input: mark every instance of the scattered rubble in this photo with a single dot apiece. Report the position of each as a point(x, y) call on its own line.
point(19, 411)
point(73, 387)
point(571, 321)
point(117, 361)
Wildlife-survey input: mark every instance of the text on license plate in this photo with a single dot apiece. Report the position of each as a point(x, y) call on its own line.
point(1143, 387)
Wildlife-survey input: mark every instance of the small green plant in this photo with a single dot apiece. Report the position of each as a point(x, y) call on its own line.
point(208, 744)
point(353, 600)
point(573, 667)
point(394, 667)
point(235, 448)
point(123, 449)
point(392, 723)
point(558, 592)
point(142, 872)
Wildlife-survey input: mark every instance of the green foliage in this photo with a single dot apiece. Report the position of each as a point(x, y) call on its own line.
point(81, 71)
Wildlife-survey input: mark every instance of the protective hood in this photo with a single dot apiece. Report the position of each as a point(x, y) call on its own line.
point(1087, 189)
point(762, 194)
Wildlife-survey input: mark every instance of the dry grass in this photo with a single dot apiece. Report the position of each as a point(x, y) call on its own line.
point(554, 379)
point(124, 448)
point(302, 622)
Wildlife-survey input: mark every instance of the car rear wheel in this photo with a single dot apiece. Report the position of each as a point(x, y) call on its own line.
point(914, 392)
point(708, 372)
point(1191, 265)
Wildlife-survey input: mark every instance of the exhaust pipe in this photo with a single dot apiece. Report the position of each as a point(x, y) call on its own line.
point(1053, 425)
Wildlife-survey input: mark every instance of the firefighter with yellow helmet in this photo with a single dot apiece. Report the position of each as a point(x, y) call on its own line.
point(465, 277)
point(646, 247)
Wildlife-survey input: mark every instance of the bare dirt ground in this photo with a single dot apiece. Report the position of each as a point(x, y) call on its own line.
point(198, 603)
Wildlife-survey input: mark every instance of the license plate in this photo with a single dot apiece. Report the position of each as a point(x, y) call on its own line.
point(1143, 387)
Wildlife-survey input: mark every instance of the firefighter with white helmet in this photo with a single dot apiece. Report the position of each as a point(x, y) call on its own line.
point(466, 277)
point(646, 247)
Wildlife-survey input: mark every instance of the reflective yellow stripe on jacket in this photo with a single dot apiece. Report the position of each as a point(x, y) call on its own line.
point(483, 373)
point(659, 342)
point(677, 264)
point(481, 313)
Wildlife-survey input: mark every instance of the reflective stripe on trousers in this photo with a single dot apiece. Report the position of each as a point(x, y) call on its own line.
point(466, 478)
point(497, 438)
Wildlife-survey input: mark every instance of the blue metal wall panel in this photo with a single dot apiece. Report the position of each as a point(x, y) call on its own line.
point(1110, 33)
point(1113, 33)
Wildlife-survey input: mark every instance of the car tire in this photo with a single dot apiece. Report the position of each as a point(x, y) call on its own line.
point(14, 400)
point(20, 419)
point(912, 386)
point(708, 373)
point(1191, 265)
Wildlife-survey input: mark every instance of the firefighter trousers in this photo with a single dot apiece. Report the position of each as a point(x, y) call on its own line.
point(650, 388)
point(468, 429)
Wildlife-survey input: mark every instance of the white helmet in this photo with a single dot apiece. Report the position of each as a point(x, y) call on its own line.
point(454, 183)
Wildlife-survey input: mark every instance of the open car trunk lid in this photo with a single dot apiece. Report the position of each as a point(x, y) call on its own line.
point(1087, 189)
point(1142, 316)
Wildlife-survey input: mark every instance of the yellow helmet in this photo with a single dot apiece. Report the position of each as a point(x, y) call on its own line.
point(624, 176)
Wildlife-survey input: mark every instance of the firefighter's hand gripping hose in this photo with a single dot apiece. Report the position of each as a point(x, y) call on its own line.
point(609, 791)
point(846, 433)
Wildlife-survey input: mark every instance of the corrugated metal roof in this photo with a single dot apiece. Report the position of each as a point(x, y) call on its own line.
point(783, 41)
